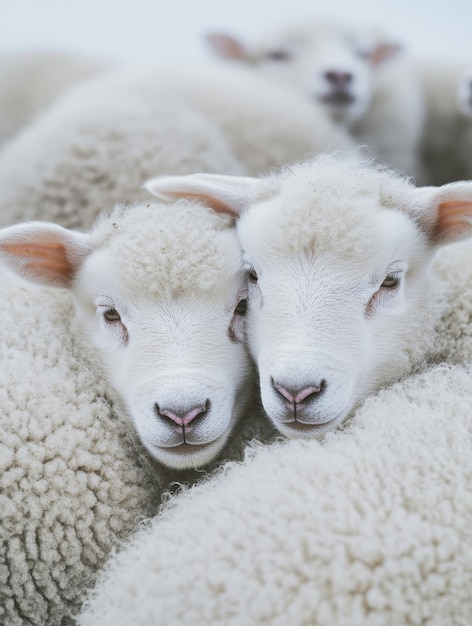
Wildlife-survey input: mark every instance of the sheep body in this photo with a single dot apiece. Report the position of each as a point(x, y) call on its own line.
point(369, 527)
point(97, 146)
point(74, 478)
point(31, 81)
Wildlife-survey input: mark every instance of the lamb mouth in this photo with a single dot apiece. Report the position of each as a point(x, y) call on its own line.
point(301, 427)
point(338, 98)
point(187, 448)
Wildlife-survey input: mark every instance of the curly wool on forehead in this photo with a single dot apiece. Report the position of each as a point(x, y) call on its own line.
point(331, 203)
point(168, 250)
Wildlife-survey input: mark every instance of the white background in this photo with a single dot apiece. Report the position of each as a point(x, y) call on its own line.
point(158, 30)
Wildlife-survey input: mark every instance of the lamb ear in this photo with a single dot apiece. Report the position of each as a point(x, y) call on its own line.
point(224, 194)
point(445, 213)
point(43, 253)
point(225, 46)
point(383, 52)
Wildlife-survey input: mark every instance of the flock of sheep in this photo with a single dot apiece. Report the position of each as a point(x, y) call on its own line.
point(197, 260)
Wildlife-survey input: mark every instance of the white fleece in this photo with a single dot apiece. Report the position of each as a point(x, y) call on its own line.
point(98, 144)
point(31, 81)
point(370, 527)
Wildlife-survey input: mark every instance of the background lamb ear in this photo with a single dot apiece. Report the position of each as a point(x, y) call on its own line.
point(383, 51)
point(225, 45)
point(43, 253)
point(445, 213)
point(224, 194)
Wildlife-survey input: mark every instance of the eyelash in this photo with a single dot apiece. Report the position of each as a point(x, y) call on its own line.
point(391, 276)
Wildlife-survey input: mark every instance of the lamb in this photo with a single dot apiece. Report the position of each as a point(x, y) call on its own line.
point(342, 299)
point(447, 138)
point(364, 80)
point(31, 81)
point(98, 144)
point(160, 296)
point(370, 527)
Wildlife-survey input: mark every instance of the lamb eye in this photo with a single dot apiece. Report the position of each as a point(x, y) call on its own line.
point(111, 315)
point(278, 55)
point(241, 307)
point(253, 277)
point(391, 281)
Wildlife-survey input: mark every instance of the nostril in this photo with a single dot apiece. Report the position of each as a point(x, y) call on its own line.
point(282, 391)
point(311, 392)
point(298, 396)
point(338, 79)
point(182, 417)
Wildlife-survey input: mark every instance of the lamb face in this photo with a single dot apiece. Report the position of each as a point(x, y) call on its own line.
point(160, 292)
point(342, 301)
point(329, 62)
point(335, 283)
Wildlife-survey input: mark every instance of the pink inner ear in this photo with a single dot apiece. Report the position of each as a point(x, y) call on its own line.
point(215, 203)
point(225, 45)
point(454, 220)
point(383, 52)
point(45, 261)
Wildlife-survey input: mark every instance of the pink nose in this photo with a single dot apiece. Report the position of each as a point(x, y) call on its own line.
point(182, 419)
point(339, 80)
point(298, 396)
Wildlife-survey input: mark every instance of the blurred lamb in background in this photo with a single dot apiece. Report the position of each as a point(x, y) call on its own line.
point(446, 146)
point(98, 143)
point(31, 81)
point(365, 81)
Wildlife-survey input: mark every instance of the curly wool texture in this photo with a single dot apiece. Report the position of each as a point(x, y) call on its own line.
point(453, 337)
point(73, 480)
point(370, 527)
point(159, 270)
point(99, 143)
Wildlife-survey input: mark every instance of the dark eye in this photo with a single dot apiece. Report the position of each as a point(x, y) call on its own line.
point(391, 281)
point(279, 55)
point(253, 277)
point(241, 308)
point(111, 315)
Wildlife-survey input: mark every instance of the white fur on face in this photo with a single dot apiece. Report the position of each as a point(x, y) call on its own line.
point(326, 62)
point(169, 337)
point(341, 285)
